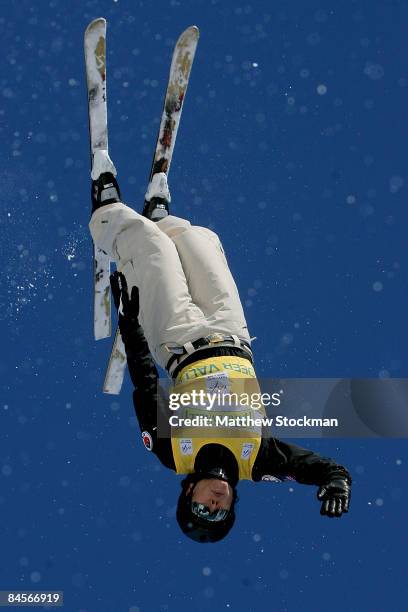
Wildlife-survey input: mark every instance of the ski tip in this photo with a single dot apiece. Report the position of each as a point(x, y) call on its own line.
point(192, 32)
point(100, 22)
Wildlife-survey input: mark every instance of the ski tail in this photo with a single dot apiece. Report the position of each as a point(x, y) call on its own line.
point(115, 372)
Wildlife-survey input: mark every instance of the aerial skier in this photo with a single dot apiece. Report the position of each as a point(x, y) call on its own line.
point(179, 308)
point(184, 310)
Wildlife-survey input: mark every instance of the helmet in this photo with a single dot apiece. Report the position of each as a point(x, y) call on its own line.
point(195, 519)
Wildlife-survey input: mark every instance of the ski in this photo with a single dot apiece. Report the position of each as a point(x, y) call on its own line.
point(95, 64)
point(115, 371)
point(157, 198)
point(180, 69)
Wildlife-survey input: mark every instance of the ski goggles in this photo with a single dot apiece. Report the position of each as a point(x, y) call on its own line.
point(203, 512)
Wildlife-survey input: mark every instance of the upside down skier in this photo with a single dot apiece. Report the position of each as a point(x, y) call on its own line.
point(179, 308)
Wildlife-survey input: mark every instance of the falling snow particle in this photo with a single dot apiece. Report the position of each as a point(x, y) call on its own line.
point(286, 339)
point(351, 199)
point(378, 286)
point(209, 592)
point(320, 16)
point(207, 571)
point(396, 182)
point(6, 470)
point(326, 556)
point(35, 576)
point(313, 39)
point(321, 89)
point(124, 481)
point(374, 71)
point(379, 501)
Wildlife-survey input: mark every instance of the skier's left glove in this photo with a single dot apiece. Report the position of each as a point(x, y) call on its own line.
point(128, 307)
point(335, 497)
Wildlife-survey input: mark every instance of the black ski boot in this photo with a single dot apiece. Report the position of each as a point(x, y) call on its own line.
point(157, 198)
point(105, 190)
point(156, 209)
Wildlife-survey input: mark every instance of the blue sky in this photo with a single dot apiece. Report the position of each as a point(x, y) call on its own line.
point(293, 148)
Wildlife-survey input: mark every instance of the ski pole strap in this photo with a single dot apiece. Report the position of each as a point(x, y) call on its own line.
point(180, 353)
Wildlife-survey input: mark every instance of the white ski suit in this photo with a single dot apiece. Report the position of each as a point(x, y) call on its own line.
point(186, 289)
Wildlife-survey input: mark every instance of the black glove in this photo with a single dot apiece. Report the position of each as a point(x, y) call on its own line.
point(128, 321)
point(335, 496)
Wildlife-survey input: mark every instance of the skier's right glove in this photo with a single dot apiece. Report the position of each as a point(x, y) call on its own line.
point(335, 497)
point(128, 308)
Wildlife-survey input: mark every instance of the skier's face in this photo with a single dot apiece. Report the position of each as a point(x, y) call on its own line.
point(214, 493)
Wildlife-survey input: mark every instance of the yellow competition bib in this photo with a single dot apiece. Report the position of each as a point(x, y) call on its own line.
point(217, 404)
